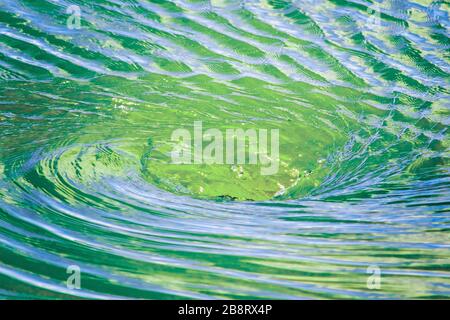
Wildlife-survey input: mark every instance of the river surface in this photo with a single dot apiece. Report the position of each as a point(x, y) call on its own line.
point(91, 91)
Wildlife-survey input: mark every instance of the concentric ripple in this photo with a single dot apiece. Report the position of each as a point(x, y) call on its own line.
point(358, 89)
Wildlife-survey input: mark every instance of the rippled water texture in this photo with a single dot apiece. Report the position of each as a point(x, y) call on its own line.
point(358, 89)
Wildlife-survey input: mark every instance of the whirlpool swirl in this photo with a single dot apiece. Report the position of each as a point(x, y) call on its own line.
point(91, 91)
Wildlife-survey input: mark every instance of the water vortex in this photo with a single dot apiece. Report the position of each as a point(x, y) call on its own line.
point(91, 92)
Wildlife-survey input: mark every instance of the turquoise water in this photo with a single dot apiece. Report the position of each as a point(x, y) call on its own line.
point(90, 93)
